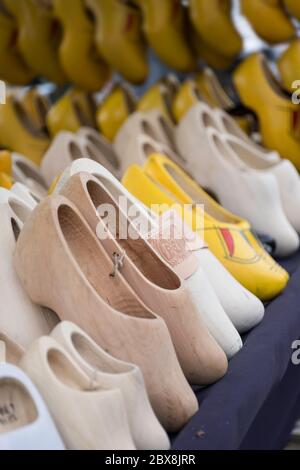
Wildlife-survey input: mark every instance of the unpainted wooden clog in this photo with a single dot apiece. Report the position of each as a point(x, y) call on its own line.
point(71, 394)
point(109, 373)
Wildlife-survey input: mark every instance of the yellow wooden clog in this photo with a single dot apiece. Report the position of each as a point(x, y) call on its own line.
point(293, 7)
point(161, 184)
point(119, 38)
point(164, 28)
point(19, 134)
point(158, 96)
point(74, 110)
point(113, 111)
point(289, 65)
point(212, 20)
point(38, 38)
point(12, 65)
point(279, 118)
point(205, 52)
point(269, 19)
point(77, 51)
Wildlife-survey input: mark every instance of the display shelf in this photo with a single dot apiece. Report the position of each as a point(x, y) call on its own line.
point(257, 403)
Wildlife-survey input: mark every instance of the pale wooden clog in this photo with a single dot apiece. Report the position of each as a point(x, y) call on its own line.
point(201, 359)
point(136, 140)
point(63, 150)
point(98, 148)
point(109, 373)
point(26, 172)
point(20, 319)
point(74, 279)
point(87, 416)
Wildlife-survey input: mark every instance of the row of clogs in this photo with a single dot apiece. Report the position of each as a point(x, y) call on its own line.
point(129, 149)
point(95, 401)
point(57, 39)
point(114, 297)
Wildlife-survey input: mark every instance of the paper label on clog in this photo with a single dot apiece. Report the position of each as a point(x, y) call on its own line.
point(175, 243)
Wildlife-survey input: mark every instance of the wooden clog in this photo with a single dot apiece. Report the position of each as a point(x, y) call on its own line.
point(64, 149)
point(152, 280)
point(87, 416)
point(109, 373)
point(19, 318)
point(137, 139)
point(27, 173)
point(99, 149)
point(104, 306)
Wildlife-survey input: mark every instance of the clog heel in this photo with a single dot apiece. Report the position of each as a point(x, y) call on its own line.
point(214, 24)
point(103, 305)
point(110, 373)
point(164, 29)
point(278, 116)
point(76, 51)
point(269, 19)
point(119, 38)
point(38, 38)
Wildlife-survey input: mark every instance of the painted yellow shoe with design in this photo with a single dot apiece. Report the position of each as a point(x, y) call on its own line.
point(74, 110)
point(161, 184)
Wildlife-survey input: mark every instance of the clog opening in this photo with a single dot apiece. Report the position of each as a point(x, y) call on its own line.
point(96, 266)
